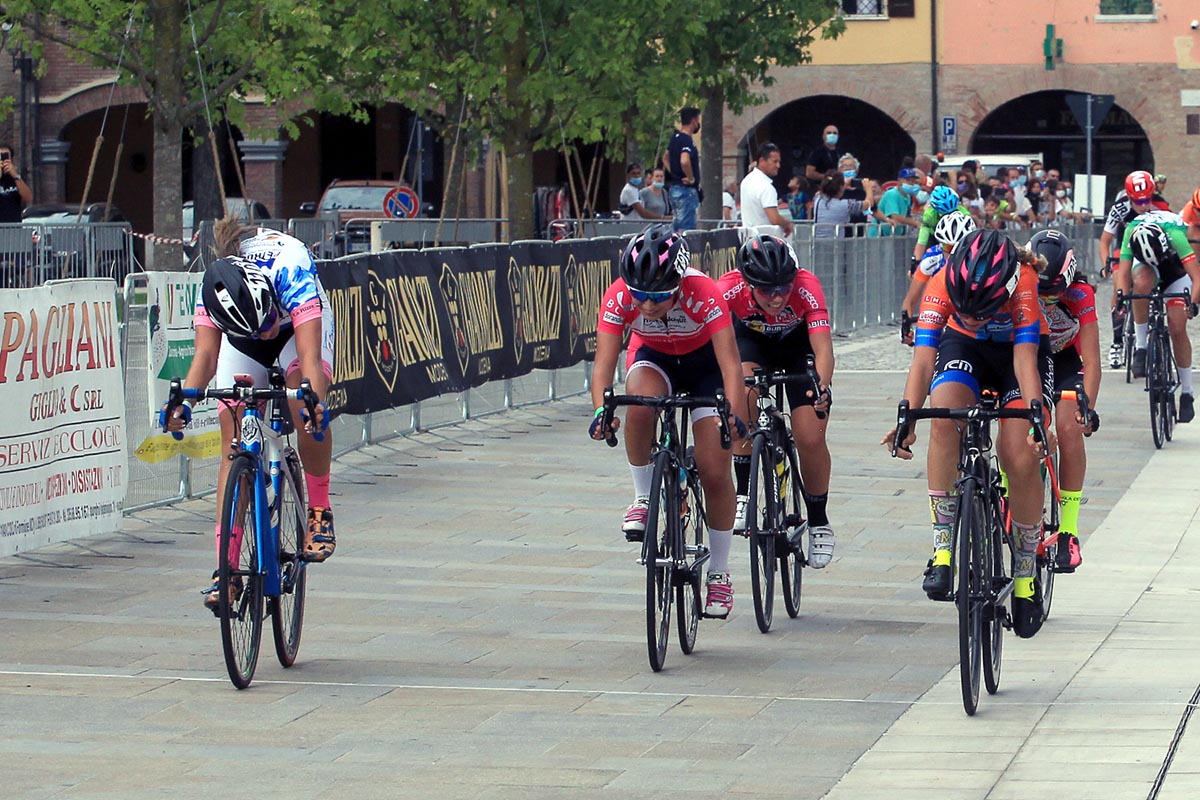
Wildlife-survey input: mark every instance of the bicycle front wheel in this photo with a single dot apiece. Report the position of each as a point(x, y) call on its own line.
point(762, 523)
point(970, 533)
point(238, 579)
point(1128, 338)
point(993, 618)
point(289, 515)
point(1158, 419)
point(791, 562)
point(661, 521)
point(1167, 381)
point(687, 583)
point(1047, 557)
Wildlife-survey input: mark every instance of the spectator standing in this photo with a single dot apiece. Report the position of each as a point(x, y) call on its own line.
point(683, 160)
point(896, 204)
point(760, 200)
point(15, 194)
point(656, 204)
point(823, 161)
point(798, 199)
point(630, 202)
point(729, 204)
point(831, 209)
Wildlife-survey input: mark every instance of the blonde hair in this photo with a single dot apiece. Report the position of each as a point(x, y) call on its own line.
point(1031, 259)
point(227, 236)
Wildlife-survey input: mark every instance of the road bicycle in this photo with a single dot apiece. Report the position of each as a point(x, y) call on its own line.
point(263, 521)
point(775, 521)
point(673, 549)
point(980, 580)
point(1162, 379)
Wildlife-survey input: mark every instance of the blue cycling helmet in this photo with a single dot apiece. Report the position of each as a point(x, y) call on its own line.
point(944, 199)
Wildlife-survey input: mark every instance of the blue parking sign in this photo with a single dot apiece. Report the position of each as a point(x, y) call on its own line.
point(950, 133)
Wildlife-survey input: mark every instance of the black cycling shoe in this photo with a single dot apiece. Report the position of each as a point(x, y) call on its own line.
point(1187, 410)
point(1139, 363)
point(937, 581)
point(1028, 613)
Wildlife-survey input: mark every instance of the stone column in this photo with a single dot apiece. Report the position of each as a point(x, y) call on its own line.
point(51, 157)
point(263, 162)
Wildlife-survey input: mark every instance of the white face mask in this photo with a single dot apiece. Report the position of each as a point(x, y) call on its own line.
point(1060, 193)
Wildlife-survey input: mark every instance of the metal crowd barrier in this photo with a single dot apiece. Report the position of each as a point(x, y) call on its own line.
point(391, 234)
point(33, 254)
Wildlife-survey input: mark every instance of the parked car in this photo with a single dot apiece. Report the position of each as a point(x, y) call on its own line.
point(246, 211)
point(351, 200)
point(62, 213)
point(61, 247)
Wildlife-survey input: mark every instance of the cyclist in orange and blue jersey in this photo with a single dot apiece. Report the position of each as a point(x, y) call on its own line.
point(980, 326)
point(681, 340)
point(1069, 304)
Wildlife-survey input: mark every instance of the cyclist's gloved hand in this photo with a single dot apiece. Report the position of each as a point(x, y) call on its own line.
point(737, 426)
point(1093, 422)
point(904, 449)
point(321, 424)
point(174, 420)
point(824, 400)
point(906, 328)
point(1193, 310)
point(913, 261)
point(596, 432)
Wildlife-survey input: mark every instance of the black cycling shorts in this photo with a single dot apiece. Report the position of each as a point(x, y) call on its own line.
point(983, 364)
point(789, 353)
point(1068, 369)
point(697, 373)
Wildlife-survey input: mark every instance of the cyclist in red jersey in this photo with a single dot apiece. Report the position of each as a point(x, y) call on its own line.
point(1069, 304)
point(779, 319)
point(980, 326)
point(681, 340)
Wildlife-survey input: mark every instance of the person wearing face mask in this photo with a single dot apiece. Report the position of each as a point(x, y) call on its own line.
point(1020, 200)
point(848, 165)
point(682, 159)
point(656, 205)
point(896, 204)
point(630, 202)
point(824, 160)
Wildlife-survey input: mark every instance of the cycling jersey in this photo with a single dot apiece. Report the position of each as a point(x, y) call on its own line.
point(929, 221)
point(698, 313)
point(1121, 213)
point(1019, 320)
point(1067, 313)
point(293, 273)
point(805, 306)
point(1176, 230)
point(933, 260)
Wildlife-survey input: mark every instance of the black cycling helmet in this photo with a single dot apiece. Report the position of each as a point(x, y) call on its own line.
point(238, 296)
point(766, 261)
point(655, 259)
point(982, 273)
point(1150, 245)
point(1056, 248)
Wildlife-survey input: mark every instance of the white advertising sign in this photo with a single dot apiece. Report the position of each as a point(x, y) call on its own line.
point(62, 448)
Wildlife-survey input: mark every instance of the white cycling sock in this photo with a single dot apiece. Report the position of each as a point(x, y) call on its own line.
point(1140, 331)
point(1185, 380)
point(720, 543)
point(642, 477)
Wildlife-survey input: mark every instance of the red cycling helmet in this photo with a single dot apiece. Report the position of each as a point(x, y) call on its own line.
point(1139, 185)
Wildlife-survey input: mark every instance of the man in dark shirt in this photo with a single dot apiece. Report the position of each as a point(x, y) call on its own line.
point(683, 162)
point(824, 160)
point(14, 192)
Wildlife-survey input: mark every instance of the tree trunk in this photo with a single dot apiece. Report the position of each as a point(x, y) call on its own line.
point(712, 136)
point(205, 194)
point(168, 192)
point(518, 144)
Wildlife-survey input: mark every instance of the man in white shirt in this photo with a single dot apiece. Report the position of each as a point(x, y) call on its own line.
point(760, 199)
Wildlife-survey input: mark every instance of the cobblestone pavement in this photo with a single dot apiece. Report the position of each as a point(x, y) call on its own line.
point(480, 634)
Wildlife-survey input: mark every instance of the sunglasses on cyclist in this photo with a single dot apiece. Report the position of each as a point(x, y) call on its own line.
point(1145, 202)
point(782, 290)
point(653, 297)
point(268, 323)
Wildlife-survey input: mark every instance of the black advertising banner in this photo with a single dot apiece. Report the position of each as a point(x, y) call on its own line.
point(411, 325)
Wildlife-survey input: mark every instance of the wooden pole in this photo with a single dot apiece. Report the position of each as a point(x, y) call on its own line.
point(87, 186)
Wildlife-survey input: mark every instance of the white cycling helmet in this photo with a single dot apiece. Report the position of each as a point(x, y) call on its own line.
point(952, 227)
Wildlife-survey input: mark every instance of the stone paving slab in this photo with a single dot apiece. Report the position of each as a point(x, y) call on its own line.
point(480, 634)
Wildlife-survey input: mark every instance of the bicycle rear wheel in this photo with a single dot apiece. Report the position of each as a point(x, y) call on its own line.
point(287, 610)
point(762, 522)
point(791, 562)
point(969, 536)
point(993, 618)
point(1158, 420)
point(687, 585)
point(238, 579)
point(661, 520)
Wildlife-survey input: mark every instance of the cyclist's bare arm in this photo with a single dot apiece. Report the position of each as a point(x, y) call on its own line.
point(1029, 380)
point(1089, 349)
point(822, 346)
point(608, 350)
point(916, 389)
point(308, 350)
point(730, 361)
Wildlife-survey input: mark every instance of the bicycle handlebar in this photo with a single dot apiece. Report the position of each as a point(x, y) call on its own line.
point(905, 416)
point(810, 380)
point(241, 394)
point(612, 401)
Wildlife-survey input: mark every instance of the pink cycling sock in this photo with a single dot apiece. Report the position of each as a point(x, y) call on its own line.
point(318, 490)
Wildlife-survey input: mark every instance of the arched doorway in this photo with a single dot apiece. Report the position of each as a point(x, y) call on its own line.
point(128, 126)
point(1042, 122)
point(875, 139)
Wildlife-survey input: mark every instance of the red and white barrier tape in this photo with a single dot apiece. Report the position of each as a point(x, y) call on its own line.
point(150, 237)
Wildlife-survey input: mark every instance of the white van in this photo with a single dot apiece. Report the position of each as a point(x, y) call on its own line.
point(990, 163)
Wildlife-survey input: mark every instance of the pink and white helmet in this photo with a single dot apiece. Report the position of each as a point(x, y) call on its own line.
point(982, 273)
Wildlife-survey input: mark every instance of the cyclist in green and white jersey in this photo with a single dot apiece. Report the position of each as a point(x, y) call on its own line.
point(942, 201)
point(1155, 244)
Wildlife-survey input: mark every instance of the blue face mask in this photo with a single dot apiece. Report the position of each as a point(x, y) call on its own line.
point(922, 196)
point(658, 184)
point(831, 138)
point(635, 181)
point(962, 188)
point(849, 173)
point(910, 189)
point(1020, 181)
